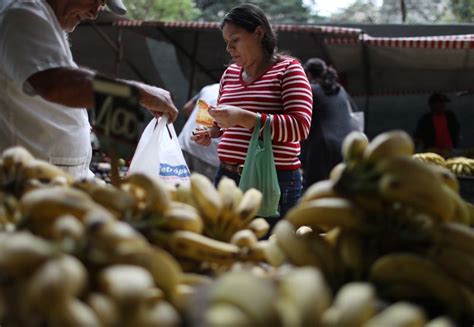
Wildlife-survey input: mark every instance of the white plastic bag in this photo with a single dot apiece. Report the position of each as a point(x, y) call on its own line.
point(159, 153)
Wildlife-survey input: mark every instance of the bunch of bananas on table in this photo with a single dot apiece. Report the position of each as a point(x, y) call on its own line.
point(430, 157)
point(461, 166)
point(390, 219)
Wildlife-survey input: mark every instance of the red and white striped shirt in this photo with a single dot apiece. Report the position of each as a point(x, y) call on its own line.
point(282, 92)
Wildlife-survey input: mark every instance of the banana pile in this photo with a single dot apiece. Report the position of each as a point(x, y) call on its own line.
point(295, 297)
point(430, 157)
point(389, 219)
point(461, 166)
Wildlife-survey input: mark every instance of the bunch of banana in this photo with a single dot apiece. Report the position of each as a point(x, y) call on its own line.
point(461, 166)
point(430, 157)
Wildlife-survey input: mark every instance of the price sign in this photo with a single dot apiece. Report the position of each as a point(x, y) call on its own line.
point(117, 116)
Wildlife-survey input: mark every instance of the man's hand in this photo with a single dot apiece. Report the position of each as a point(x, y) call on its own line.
point(157, 101)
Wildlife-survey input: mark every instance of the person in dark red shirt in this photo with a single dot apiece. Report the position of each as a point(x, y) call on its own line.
point(439, 129)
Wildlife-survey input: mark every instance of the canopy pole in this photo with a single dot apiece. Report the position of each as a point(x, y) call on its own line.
point(193, 65)
point(367, 81)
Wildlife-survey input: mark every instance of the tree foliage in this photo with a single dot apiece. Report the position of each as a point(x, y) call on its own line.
point(164, 10)
point(277, 11)
point(463, 10)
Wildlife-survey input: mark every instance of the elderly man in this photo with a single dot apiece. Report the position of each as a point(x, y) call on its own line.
point(43, 92)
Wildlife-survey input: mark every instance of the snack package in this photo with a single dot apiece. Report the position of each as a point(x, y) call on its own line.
point(203, 118)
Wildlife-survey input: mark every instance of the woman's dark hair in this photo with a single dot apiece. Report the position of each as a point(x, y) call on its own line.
point(249, 17)
point(328, 75)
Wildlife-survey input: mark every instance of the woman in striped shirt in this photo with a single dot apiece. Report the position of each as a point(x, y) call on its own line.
point(262, 83)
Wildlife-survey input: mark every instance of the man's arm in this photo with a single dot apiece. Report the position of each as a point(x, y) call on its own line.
point(72, 87)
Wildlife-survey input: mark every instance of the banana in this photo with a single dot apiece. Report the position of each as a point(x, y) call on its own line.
point(44, 171)
point(299, 287)
point(259, 226)
point(255, 297)
point(181, 216)
point(225, 225)
point(327, 213)
point(457, 264)
point(296, 248)
point(423, 274)
point(244, 238)
point(400, 314)
point(354, 305)
point(249, 205)
point(441, 322)
point(125, 284)
point(22, 252)
point(105, 309)
point(456, 236)
point(206, 196)
point(337, 171)
point(157, 196)
point(447, 176)
point(73, 313)
point(353, 146)
point(155, 313)
point(352, 252)
point(57, 280)
point(390, 144)
point(461, 211)
point(161, 265)
point(422, 194)
point(117, 201)
point(274, 255)
point(224, 314)
point(319, 190)
point(198, 247)
point(194, 280)
point(15, 156)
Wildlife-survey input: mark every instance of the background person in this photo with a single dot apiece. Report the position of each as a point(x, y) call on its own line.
point(43, 92)
point(439, 129)
point(331, 122)
point(200, 159)
point(260, 83)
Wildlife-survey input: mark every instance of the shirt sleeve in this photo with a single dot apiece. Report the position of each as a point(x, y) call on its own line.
point(30, 44)
point(294, 123)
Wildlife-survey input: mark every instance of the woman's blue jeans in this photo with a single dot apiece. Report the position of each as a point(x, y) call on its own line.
point(290, 188)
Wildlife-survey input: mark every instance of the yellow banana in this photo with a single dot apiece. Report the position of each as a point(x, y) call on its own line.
point(337, 171)
point(255, 296)
point(456, 263)
point(422, 194)
point(296, 248)
point(224, 314)
point(21, 252)
point(390, 144)
point(14, 156)
point(327, 213)
point(125, 284)
point(249, 205)
point(400, 314)
point(115, 200)
point(198, 247)
point(461, 211)
point(157, 196)
point(456, 236)
point(354, 305)
point(259, 226)
point(352, 252)
point(181, 216)
point(447, 176)
point(423, 274)
point(299, 287)
point(354, 145)
point(105, 309)
point(73, 313)
point(319, 190)
point(44, 171)
point(244, 238)
point(274, 255)
point(206, 196)
point(441, 322)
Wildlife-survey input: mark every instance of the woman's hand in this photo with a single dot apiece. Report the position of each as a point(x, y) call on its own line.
point(202, 136)
point(229, 116)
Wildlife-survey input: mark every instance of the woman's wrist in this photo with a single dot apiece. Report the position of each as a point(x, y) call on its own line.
point(248, 119)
